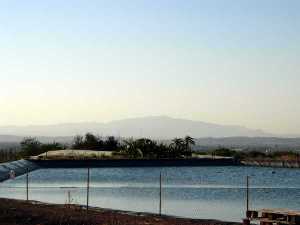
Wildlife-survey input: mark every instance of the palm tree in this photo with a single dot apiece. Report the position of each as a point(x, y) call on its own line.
point(189, 141)
point(131, 148)
point(177, 147)
point(177, 143)
point(111, 143)
point(148, 147)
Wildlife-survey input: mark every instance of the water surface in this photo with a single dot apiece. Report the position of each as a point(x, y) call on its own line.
point(196, 192)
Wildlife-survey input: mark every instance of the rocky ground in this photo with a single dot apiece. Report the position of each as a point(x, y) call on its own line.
point(18, 212)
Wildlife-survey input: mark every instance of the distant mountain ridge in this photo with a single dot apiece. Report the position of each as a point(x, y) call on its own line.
point(207, 135)
point(243, 143)
point(156, 127)
point(43, 139)
point(273, 143)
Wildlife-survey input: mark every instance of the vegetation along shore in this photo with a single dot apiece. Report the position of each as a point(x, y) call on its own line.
point(93, 147)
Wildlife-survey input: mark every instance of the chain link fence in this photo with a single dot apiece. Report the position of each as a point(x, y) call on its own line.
point(199, 192)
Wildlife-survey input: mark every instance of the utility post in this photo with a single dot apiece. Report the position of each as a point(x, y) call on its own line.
point(246, 221)
point(160, 193)
point(88, 190)
point(247, 198)
point(27, 184)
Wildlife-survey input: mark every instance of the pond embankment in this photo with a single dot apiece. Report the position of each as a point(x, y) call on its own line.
point(19, 167)
point(32, 213)
point(272, 163)
point(135, 163)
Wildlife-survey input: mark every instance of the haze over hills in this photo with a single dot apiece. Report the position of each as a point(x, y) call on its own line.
point(159, 127)
point(207, 135)
point(43, 139)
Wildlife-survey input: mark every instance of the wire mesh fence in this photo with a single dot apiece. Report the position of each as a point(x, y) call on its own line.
point(202, 192)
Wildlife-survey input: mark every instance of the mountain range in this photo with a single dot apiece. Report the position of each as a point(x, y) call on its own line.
point(156, 127)
point(208, 135)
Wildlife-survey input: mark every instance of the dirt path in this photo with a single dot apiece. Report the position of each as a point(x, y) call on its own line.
point(17, 212)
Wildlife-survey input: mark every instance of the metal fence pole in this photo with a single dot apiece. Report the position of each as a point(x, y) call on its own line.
point(27, 184)
point(247, 197)
point(160, 193)
point(88, 190)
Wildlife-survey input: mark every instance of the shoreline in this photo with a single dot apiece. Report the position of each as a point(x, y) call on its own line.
point(292, 164)
point(20, 167)
point(33, 212)
point(94, 163)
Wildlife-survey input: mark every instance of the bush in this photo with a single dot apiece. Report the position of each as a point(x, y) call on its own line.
point(224, 152)
point(32, 147)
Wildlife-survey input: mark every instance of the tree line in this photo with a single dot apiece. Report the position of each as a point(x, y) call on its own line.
point(32, 146)
point(92, 142)
point(136, 148)
point(147, 148)
point(7, 155)
point(130, 148)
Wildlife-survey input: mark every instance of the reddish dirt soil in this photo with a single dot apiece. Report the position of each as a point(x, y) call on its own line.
point(17, 212)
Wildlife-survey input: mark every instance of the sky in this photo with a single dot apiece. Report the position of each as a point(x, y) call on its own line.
point(223, 61)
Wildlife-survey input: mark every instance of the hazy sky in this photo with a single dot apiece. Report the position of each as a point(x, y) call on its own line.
point(222, 61)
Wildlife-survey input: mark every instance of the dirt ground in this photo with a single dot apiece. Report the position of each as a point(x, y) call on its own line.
point(18, 212)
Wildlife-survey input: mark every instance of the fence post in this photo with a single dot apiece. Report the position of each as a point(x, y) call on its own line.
point(160, 193)
point(247, 197)
point(88, 190)
point(27, 184)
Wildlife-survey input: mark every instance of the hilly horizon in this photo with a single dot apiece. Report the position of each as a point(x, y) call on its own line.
point(157, 127)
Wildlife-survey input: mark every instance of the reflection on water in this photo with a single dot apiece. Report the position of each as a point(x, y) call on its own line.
point(197, 192)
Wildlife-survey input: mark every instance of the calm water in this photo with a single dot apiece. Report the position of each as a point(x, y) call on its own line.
point(197, 192)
